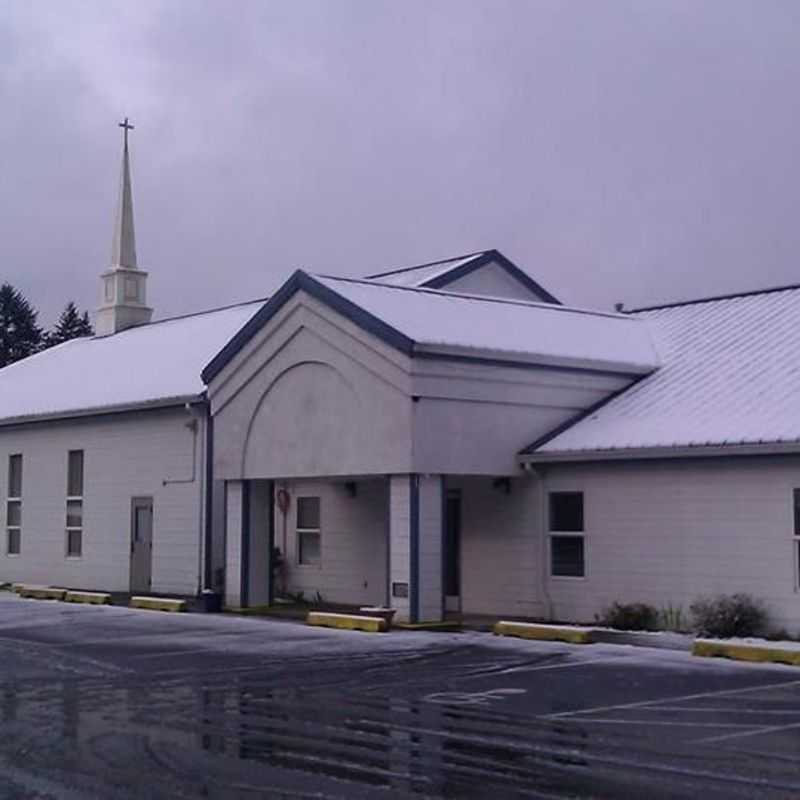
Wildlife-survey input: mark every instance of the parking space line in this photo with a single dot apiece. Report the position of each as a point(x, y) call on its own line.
point(525, 668)
point(698, 696)
point(724, 710)
point(663, 723)
point(757, 732)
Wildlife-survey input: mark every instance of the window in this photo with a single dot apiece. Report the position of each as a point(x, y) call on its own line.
point(309, 545)
point(566, 535)
point(109, 289)
point(14, 506)
point(131, 289)
point(74, 527)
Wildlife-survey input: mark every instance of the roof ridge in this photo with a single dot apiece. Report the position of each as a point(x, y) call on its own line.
point(186, 316)
point(398, 270)
point(716, 298)
point(464, 296)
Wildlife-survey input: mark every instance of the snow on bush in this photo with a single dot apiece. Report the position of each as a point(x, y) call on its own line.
point(630, 617)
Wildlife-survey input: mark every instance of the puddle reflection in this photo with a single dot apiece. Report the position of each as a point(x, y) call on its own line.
point(251, 734)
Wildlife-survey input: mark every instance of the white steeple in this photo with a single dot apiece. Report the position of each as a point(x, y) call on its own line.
point(123, 302)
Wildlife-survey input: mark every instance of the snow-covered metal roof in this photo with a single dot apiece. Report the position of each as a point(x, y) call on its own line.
point(431, 322)
point(442, 322)
point(730, 375)
point(146, 365)
point(422, 273)
point(441, 274)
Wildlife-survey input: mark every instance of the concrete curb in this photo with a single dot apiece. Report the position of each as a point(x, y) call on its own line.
point(549, 633)
point(428, 626)
point(348, 622)
point(90, 598)
point(764, 653)
point(41, 592)
point(158, 603)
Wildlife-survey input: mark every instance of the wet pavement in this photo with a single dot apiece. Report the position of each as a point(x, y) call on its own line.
point(116, 703)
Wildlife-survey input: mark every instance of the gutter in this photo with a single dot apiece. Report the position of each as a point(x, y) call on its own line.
point(529, 460)
point(166, 402)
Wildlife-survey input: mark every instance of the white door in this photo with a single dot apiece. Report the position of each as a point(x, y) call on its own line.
point(452, 551)
point(141, 544)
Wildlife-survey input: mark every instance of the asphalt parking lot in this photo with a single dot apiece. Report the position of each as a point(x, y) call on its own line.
point(118, 703)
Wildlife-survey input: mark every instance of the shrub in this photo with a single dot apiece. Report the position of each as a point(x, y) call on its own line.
point(726, 616)
point(672, 618)
point(630, 617)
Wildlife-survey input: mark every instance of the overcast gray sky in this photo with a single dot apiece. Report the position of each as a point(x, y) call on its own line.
point(641, 151)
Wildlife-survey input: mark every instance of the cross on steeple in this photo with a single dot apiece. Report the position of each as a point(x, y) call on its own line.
point(126, 126)
point(123, 300)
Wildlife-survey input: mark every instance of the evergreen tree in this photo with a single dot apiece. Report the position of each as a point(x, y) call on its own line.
point(20, 336)
point(70, 325)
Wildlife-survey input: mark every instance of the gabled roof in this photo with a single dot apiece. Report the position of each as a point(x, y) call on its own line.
point(730, 377)
point(433, 323)
point(154, 364)
point(439, 274)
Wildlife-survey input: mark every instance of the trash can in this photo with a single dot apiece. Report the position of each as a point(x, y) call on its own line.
point(210, 602)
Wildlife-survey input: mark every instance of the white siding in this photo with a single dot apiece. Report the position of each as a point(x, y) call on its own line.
point(126, 456)
point(353, 539)
point(430, 548)
point(501, 547)
point(400, 542)
point(472, 419)
point(665, 533)
point(494, 281)
point(312, 396)
point(234, 498)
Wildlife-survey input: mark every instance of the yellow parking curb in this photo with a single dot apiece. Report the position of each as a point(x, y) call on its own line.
point(91, 598)
point(158, 603)
point(540, 632)
point(348, 622)
point(16, 587)
point(41, 592)
point(746, 652)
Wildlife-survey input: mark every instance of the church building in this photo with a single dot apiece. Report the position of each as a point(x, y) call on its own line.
point(443, 438)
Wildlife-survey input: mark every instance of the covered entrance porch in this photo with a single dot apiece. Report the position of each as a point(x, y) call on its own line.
point(398, 541)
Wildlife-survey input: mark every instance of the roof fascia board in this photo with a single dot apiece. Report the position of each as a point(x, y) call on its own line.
point(302, 281)
point(102, 411)
point(493, 358)
point(402, 270)
point(447, 277)
point(650, 453)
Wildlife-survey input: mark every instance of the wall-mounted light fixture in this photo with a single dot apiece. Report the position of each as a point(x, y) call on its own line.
point(352, 488)
point(502, 485)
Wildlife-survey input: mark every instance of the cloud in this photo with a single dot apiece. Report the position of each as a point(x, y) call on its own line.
point(619, 151)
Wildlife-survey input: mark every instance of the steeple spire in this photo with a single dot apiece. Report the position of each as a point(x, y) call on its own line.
point(123, 247)
point(124, 298)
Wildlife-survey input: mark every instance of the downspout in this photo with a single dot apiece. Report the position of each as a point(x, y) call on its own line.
point(208, 555)
point(196, 414)
point(198, 411)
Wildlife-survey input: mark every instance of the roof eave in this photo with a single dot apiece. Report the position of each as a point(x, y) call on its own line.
point(662, 452)
point(531, 360)
point(302, 281)
point(97, 411)
point(448, 276)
